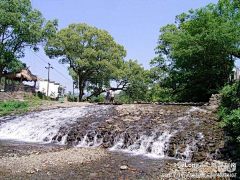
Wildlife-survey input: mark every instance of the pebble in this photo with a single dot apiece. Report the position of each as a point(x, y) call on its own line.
point(124, 167)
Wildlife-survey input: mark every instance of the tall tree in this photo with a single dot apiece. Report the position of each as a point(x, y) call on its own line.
point(127, 76)
point(136, 81)
point(198, 51)
point(90, 52)
point(20, 26)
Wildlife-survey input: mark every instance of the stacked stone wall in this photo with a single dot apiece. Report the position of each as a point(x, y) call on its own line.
point(18, 95)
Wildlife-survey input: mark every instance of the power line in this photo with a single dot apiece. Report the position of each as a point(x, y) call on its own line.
point(58, 71)
point(48, 63)
point(62, 74)
point(38, 56)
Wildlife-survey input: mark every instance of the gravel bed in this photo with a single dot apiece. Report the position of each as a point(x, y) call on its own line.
point(37, 162)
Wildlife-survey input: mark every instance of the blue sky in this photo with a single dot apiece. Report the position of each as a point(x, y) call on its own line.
point(134, 24)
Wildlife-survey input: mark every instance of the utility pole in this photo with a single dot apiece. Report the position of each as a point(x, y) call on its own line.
point(48, 68)
point(73, 87)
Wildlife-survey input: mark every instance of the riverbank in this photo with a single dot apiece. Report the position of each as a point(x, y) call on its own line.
point(41, 159)
point(46, 105)
point(30, 105)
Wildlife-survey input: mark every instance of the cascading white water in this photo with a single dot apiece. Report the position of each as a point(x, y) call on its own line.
point(43, 126)
point(153, 146)
point(86, 143)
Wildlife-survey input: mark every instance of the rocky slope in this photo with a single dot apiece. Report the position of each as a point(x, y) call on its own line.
point(192, 131)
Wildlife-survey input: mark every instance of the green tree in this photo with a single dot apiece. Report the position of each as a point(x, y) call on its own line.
point(20, 26)
point(90, 52)
point(136, 81)
point(127, 76)
point(198, 52)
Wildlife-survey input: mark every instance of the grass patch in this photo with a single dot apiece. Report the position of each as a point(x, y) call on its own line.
point(31, 102)
point(15, 107)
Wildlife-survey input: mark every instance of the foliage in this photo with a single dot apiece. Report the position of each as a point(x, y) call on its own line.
point(39, 96)
point(136, 81)
point(233, 120)
point(196, 55)
point(123, 97)
point(160, 94)
point(100, 98)
point(13, 106)
point(129, 77)
point(229, 112)
point(17, 107)
point(71, 97)
point(91, 53)
point(230, 96)
point(96, 61)
point(20, 26)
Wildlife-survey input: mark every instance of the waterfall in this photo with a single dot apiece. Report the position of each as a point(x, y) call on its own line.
point(44, 125)
point(83, 127)
point(86, 142)
point(154, 146)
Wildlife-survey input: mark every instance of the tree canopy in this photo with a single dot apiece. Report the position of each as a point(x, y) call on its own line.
point(92, 54)
point(197, 53)
point(20, 26)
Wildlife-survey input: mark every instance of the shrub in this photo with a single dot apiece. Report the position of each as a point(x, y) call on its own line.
point(229, 111)
point(100, 98)
point(233, 121)
point(71, 97)
point(229, 97)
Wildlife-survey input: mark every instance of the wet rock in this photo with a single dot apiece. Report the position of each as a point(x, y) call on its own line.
point(110, 121)
point(105, 145)
point(54, 138)
point(123, 167)
point(46, 139)
point(211, 144)
point(93, 174)
point(132, 122)
point(59, 138)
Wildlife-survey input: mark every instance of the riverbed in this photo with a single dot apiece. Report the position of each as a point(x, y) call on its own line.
point(108, 142)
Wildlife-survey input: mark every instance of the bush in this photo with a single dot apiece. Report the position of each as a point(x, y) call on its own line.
point(233, 121)
point(100, 98)
point(229, 97)
point(71, 97)
point(229, 111)
point(123, 97)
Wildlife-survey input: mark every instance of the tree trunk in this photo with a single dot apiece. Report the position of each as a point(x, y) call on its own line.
point(81, 86)
point(97, 93)
point(1, 73)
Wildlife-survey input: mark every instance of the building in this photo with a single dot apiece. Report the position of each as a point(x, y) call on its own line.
point(14, 82)
point(55, 89)
point(236, 74)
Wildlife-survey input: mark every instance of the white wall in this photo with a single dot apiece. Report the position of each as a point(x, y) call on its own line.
point(53, 88)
